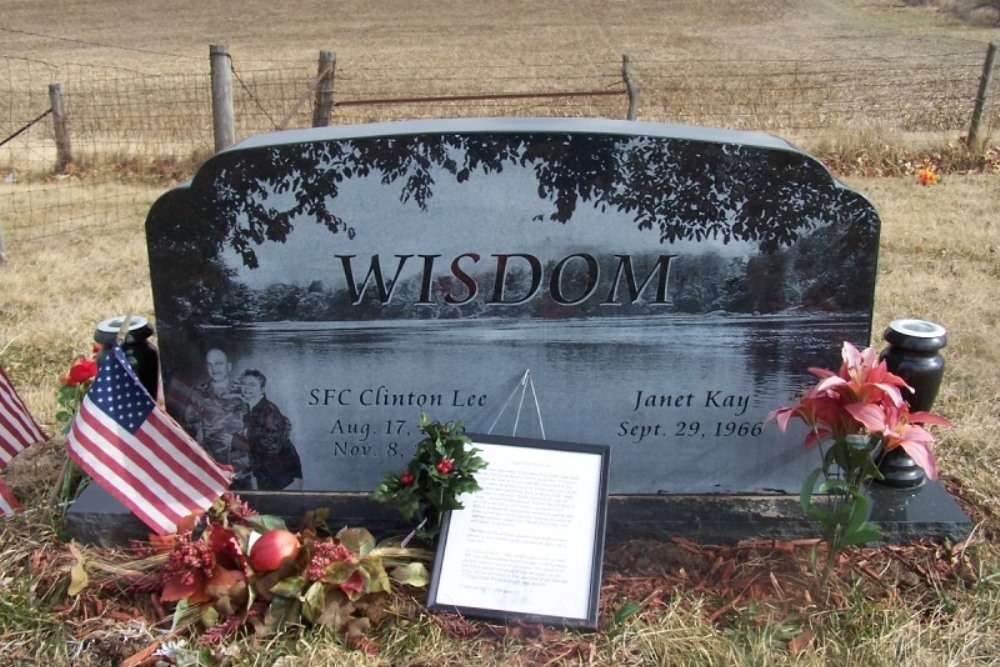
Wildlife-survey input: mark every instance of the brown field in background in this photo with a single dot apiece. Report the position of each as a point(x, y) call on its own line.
point(140, 33)
point(792, 52)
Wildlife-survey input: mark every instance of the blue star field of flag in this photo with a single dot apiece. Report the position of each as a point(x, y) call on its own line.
point(118, 393)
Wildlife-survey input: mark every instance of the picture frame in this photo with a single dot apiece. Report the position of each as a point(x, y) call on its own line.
point(529, 546)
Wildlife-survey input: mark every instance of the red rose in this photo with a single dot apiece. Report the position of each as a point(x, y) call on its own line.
point(406, 478)
point(444, 466)
point(82, 371)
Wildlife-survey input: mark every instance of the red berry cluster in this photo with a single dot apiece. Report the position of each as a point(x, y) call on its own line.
point(235, 508)
point(190, 558)
point(325, 553)
point(406, 478)
point(444, 466)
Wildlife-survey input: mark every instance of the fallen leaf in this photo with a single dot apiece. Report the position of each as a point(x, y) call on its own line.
point(797, 644)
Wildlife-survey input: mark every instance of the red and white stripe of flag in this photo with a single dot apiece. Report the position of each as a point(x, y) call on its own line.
point(18, 429)
point(8, 503)
point(159, 472)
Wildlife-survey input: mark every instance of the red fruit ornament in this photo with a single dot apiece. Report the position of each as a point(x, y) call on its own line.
point(272, 549)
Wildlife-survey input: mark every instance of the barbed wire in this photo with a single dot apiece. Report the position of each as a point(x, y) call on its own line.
point(134, 133)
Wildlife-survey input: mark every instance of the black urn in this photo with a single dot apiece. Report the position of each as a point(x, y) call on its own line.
point(914, 355)
point(139, 351)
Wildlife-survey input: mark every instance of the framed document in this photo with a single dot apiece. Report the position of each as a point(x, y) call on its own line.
point(530, 544)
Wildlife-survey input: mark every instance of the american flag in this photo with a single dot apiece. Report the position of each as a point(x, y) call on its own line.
point(18, 429)
point(8, 503)
point(139, 454)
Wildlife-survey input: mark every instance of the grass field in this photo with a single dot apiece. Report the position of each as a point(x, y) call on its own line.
point(918, 605)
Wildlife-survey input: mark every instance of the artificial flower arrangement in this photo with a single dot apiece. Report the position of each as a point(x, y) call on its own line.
point(74, 385)
point(855, 416)
point(232, 569)
point(442, 469)
point(72, 388)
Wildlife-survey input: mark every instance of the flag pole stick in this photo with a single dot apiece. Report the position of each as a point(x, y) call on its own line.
point(124, 329)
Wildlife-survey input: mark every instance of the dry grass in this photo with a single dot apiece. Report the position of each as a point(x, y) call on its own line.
point(939, 260)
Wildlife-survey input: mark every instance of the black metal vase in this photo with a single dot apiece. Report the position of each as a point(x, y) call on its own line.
point(914, 355)
point(140, 353)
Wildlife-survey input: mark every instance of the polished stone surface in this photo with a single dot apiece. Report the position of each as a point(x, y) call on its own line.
point(926, 513)
point(655, 288)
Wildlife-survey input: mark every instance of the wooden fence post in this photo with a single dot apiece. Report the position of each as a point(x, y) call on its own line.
point(64, 148)
point(324, 89)
point(223, 118)
point(984, 92)
point(630, 87)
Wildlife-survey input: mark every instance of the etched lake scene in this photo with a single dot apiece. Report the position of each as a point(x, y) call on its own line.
point(654, 288)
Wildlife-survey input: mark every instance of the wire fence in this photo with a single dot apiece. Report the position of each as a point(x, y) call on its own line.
point(133, 133)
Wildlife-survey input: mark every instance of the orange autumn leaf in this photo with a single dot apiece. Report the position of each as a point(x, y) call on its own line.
point(927, 176)
point(179, 588)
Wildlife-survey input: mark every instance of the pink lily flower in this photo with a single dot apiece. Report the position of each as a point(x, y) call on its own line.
point(899, 428)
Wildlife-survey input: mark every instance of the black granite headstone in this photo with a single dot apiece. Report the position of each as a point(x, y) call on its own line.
point(655, 288)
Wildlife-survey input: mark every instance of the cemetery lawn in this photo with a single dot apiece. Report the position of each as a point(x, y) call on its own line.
point(669, 603)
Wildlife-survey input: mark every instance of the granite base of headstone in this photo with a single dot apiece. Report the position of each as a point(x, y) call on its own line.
point(924, 513)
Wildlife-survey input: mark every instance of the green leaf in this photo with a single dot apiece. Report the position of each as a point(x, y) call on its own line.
point(264, 523)
point(411, 574)
point(867, 533)
point(290, 587)
point(859, 512)
point(314, 601)
point(180, 612)
point(808, 486)
point(624, 611)
point(818, 513)
point(814, 558)
point(378, 578)
point(280, 613)
point(209, 617)
point(833, 485)
point(358, 540)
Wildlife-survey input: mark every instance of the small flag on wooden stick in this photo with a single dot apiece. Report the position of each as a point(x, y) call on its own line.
point(18, 431)
point(139, 454)
point(8, 503)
